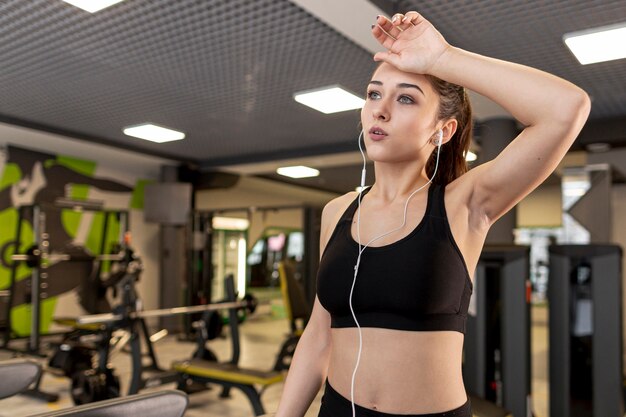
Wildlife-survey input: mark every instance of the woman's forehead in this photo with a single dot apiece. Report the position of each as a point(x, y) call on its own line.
point(387, 73)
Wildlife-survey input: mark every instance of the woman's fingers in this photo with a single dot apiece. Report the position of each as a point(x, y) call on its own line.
point(388, 57)
point(408, 20)
point(413, 18)
point(398, 21)
point(382, 37)
point(388, 27)
point(386, 31)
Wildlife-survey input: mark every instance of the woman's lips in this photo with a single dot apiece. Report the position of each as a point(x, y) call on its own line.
point(376, 133)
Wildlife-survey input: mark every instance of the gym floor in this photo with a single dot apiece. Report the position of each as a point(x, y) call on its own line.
point(262, 336)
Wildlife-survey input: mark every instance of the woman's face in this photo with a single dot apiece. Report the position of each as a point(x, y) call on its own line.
point(399, 115)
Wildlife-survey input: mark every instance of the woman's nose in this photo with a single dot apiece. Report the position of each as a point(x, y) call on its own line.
point(380, 112)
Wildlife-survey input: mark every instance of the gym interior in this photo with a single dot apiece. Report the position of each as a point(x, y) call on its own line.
point(181, 274)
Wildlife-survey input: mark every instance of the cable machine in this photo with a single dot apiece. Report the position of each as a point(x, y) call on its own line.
point(49, 266)
point(585, 293)
point(497, 359)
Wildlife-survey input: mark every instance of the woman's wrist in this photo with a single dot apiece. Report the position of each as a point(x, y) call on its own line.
point(443, 62)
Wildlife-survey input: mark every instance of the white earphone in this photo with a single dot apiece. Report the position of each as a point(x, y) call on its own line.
point(437, 141)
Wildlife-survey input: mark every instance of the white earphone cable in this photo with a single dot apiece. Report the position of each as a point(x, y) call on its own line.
point(362, 248)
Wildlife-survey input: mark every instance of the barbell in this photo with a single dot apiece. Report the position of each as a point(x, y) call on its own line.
point(34, 256)
point(250, 303)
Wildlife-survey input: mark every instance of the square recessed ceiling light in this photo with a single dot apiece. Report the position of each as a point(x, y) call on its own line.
point(332, 99)
point(298, 171)
point(92, 6)
point(153, 133)
point(601, 44)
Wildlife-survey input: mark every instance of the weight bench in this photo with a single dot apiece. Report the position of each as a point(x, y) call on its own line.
point(167, 403)
point(230, 375)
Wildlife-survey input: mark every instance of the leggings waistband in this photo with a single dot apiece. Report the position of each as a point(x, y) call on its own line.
point(335, 405)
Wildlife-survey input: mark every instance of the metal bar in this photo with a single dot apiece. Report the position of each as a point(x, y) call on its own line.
point(135, 349)
point(79, 205)
point(246, 209)
point(64, 257)
point(124, 223)
point(207, 257)
point(39, 226)
point(17, 241)
point(103, 242)
point(110, 317)
point(233, 320)
point(188, 310)
point(148, 341)
point(190, 268)
point(107, 257)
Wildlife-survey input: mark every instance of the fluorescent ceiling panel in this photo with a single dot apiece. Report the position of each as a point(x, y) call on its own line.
point(92, 6)
point(601, 44)
point(329, 100)
point(154, 133)
point(299, 171)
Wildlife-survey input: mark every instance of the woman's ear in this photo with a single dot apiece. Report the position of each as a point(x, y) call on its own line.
point(449, 128)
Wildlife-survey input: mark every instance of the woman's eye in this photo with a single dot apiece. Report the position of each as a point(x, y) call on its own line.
point(373, 95)
point(405, 100)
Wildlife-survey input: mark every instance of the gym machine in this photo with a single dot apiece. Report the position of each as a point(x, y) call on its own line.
point(76, 354)
point(47, 263)
point(199, 265)
point(585, 294)
point(497, 360)
point(100, 382)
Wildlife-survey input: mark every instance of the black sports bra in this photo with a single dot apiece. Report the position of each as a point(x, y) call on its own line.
point(419, 283)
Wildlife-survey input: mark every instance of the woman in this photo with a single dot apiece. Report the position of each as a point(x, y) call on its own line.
point(420, 240)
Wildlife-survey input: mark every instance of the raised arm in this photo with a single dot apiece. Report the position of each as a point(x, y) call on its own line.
point(552, 110)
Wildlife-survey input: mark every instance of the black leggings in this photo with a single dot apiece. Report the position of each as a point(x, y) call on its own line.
point(335, 405)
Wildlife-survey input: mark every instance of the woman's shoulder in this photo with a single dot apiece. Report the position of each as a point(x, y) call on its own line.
point(333, 211)
point(341, 201)
point(335, 207)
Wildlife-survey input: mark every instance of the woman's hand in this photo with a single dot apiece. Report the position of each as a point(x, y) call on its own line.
point(413, 44)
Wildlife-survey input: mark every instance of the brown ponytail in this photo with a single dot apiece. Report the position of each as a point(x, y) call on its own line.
point(454, 104)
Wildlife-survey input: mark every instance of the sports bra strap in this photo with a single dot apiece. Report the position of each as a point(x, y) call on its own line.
point(348, 215)
point(436, 203)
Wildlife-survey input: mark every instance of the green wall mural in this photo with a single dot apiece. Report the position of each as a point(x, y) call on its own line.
point(35, 178)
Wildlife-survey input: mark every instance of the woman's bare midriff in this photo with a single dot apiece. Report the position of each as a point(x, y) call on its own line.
point(401, 372)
